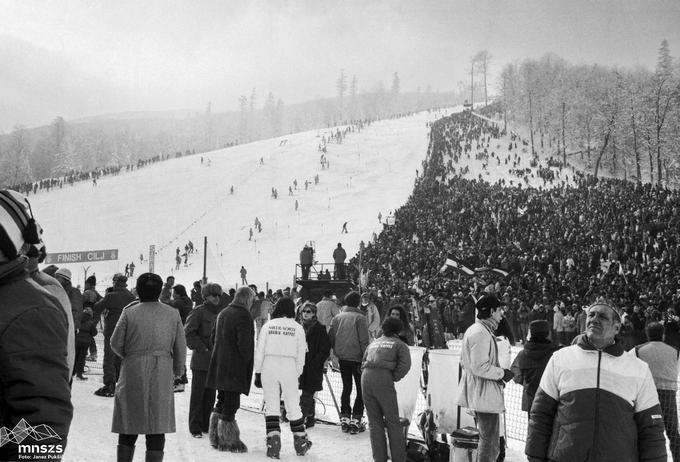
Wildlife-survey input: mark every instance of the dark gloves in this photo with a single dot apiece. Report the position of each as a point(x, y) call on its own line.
point(258, 380)
point(507, 375)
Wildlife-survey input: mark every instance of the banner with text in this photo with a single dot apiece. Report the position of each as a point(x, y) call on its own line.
point(85, 256)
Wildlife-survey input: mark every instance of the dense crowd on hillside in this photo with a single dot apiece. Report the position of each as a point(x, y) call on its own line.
point(75, 176)
point(562, 246)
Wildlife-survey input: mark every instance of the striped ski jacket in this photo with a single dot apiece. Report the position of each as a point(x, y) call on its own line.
point(596, 406)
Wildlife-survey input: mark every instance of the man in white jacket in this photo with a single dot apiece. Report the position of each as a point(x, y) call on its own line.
point(279, 360)
point(482, 382)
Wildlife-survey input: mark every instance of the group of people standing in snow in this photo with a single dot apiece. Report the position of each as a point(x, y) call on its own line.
point(587, 401)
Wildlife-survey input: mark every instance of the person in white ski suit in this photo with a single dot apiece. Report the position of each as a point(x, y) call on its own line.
point(279, 361)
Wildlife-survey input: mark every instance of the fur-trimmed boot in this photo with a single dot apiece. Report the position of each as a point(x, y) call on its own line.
point(229, 437)
point(212, 429)
point(125, 453)
point(154, 456)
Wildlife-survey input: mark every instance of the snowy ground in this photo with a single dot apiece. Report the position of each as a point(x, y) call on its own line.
point(172, 202)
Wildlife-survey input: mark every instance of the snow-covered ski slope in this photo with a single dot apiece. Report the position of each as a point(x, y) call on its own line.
point(172, 202)
point(169, 203)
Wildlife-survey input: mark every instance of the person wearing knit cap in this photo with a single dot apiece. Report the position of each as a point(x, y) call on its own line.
point(63, 275)
point(84, 336)
point(34, 370)
point(483, 380)
point(530, 363)
point(90, 297)
point(111, 307)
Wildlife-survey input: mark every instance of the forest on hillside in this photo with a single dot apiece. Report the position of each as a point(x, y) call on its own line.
point(626, 121)
point(31, 154)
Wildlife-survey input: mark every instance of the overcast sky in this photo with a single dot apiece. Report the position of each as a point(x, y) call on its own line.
point(79, 58)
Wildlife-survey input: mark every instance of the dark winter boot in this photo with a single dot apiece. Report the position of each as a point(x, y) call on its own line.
point(154, 456)
point(307, 406)
point(273, 445)
point(301, 444)
point(501, 454)
point(107, 391)
point(356, 426)
point(125, 453)
point(229, 437)
point(344, 424)
point(212, 429)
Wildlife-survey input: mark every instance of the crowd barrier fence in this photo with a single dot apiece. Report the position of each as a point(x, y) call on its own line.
point(516, 420)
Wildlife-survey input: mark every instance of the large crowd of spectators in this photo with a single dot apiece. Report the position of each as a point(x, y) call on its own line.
point(74, 176)
point(563, 244)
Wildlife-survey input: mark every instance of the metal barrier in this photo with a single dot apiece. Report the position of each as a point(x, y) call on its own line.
point(516, 420)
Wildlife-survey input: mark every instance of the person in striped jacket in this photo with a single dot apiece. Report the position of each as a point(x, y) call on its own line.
point(595, 403)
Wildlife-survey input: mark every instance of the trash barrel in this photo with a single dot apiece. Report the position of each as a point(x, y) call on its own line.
point(465, 442)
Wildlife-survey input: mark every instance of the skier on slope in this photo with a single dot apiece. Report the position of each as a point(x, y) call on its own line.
point(279, 362)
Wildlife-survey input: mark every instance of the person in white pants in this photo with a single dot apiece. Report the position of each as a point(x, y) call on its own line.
point(279, 360)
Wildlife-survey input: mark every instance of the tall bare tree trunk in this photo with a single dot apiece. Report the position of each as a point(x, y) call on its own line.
point(564, 142)
point(636, 152)
point(472, 85)
point(531, 126)
point(658, 155)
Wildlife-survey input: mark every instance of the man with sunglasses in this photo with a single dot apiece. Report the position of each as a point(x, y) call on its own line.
point(595, 403)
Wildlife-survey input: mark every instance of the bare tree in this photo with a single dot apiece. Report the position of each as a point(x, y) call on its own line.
point(341, 87)
point(483, 58)
point(664, 93)
point(243, 122)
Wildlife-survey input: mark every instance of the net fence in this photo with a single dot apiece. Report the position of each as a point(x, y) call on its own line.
point(328, 400)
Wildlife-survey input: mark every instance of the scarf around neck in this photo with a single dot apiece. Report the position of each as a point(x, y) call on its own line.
point(489, 323)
